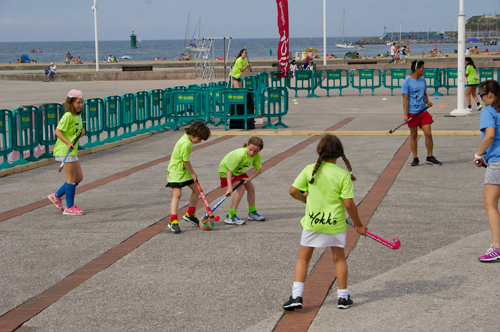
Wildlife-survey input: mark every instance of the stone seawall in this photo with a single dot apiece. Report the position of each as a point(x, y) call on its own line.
point(161, 73)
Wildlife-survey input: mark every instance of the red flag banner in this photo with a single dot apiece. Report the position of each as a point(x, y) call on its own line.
point(283, 49)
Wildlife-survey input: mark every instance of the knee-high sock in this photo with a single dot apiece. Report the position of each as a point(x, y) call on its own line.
point(61, 191)
point(70, 194)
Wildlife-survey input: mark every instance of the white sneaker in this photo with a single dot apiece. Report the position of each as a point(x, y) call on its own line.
point(255, 216)
point(234, 220)
point(479, 107)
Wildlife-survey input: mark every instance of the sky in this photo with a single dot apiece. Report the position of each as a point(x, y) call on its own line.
point(73, 20)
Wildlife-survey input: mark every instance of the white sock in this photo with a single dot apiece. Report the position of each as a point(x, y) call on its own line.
point(344, 293)
point(297, 289)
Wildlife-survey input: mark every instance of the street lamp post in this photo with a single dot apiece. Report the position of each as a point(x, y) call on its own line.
point(94, 9)
point(461, 111)
point(324, 32)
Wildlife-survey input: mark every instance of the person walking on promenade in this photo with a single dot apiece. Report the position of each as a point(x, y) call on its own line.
point(472, 83)
point(69, 128)
point(327, 191)
point(180, 173)
point(393, 53)
point(415, 103)
point(232, 169)
point(488, 154)
point(240, 65)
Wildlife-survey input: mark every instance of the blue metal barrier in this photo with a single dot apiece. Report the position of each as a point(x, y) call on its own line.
point(397, 77)
point(230, 99)
point(366, 79)
point(333, 80)
point(50, 115)
point(449, 79)
point(141, 111)
point(26, 133)
point(304, 80)
point(6, 137)
point(434, 79)
point(112, 118)
point(274, 104)
point(93, 121)
point(128, 115)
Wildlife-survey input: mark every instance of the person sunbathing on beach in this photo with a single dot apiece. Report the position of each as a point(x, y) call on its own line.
point(157, 59)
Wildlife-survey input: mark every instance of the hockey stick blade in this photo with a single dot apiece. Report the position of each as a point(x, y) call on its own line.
point(379, 239)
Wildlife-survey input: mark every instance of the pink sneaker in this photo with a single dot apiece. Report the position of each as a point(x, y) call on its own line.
point(491, 255)
point(73, 211)
point(56, 201)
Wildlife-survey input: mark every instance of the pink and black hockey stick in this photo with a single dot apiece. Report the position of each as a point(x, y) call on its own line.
point(205, 202)
point(379, 239)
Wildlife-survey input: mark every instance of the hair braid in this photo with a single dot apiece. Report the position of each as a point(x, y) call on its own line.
point(349, 167)
point(316, 167)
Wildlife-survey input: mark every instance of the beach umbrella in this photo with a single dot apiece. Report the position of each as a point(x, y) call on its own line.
point(311, 50)
point(472, 40)
point(25, 58)
point(350, 55)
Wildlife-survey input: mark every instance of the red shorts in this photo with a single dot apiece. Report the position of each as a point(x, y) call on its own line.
point(223, 181)
point(422, 119)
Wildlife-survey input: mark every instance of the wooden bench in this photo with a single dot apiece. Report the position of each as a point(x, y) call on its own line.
point(362, 62)
point(137, 68)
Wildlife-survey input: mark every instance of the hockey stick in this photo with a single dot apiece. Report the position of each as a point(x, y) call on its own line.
point(393, 130)
point(379, 239)
point(70, 149)
point(205, 202)
point(222, 200)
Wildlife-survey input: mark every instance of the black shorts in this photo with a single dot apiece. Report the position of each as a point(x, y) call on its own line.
point(237, 79)
point(179, 184)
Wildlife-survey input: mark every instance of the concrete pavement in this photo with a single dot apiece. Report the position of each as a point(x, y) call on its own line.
point(119, 269)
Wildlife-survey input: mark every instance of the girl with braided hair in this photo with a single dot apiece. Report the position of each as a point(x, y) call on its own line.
point(327, 191)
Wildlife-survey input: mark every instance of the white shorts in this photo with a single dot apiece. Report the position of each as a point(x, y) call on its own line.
point(69, 159)
point(322, 240)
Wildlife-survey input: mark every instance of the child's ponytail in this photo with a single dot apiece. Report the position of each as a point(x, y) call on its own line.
point(316, 167)
point(349, 168)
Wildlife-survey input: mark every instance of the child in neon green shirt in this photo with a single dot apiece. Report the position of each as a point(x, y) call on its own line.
point(233, 167)
point(68, 129)
point(327, 191)
point(472, 83)
point(180, 173)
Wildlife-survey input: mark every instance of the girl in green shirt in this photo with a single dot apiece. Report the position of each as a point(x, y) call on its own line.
point(327, 191)
point(240, 65)
point(472, 83)
point(69, 128)
point(232, 169)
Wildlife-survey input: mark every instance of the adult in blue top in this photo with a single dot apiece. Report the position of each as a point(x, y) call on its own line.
point(416, 102)
point(489, 154)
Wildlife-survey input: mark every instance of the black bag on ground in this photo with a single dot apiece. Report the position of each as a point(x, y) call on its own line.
point(240, 110)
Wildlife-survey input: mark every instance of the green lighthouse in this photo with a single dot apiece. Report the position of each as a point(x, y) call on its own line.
point(133, 40)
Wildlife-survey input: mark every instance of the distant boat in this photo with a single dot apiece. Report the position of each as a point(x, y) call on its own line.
point(36, 51)
point(344, 44)
point(193, 45)
point(125, 57)
point(361, 47)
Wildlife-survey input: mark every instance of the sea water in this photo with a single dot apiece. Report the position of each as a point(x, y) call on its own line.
point(148, 50)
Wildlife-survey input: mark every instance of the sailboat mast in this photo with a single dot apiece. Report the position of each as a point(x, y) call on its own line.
point(343, 24)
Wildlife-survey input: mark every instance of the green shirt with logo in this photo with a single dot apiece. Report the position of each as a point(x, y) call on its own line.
point(238, 161)
point(176, 171)
point(325, 210)
point(70, 126)
point(238, 65)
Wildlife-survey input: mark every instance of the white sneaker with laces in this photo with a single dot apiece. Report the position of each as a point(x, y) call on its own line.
point(234, 220)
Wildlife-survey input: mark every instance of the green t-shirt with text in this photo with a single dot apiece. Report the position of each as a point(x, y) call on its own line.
point(238, 65)
point(176, 171)
point(238, 161)
point(471, 75)
point(70, 125)
point(325, 210)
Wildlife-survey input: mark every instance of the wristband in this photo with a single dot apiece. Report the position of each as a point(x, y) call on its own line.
point(478, 157)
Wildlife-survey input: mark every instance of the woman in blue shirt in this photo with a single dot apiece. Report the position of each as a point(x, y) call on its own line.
point(489, 155)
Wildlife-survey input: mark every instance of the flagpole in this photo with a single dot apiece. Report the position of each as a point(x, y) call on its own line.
point(324, 32)
point(461, 111)
point(94, 9)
